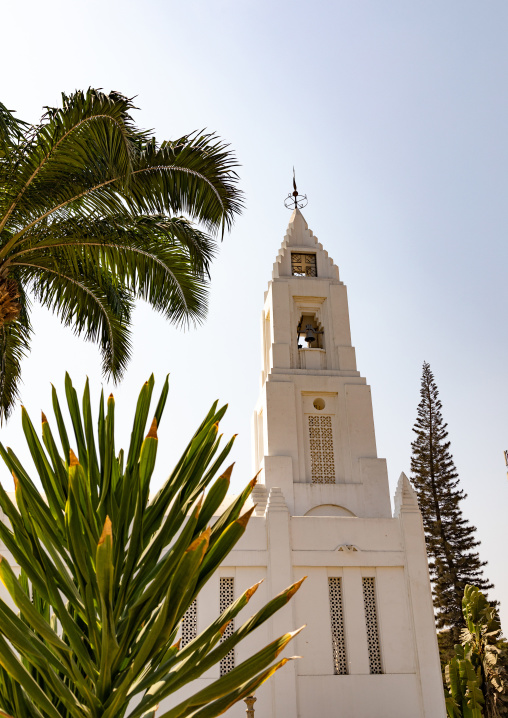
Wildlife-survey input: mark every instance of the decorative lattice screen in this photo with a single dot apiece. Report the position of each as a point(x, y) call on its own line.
point(227, 595)
point(303, 265)
point(322, 462)
point(369, 602)
point(337, 620)
point(190, 623)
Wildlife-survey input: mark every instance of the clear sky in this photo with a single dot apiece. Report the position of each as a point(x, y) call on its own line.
point(395, 115)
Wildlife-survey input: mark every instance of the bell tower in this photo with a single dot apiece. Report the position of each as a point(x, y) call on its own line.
point(313, 426)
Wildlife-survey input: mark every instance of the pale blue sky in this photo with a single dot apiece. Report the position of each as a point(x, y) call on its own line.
point(395, 115)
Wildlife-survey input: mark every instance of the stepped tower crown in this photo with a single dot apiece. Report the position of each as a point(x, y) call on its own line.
point(304, 269)
point(299, 236)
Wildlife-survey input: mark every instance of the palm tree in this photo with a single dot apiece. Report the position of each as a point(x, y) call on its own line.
point(95, 213)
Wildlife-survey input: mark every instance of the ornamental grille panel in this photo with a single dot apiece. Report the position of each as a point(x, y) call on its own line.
point(226, 598)
point(337, 621)
point(322, 461)
point(303, 265)
point(190, 624)
point(369, 602)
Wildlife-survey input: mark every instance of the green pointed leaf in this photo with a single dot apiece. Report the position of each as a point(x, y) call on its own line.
point(101, 601)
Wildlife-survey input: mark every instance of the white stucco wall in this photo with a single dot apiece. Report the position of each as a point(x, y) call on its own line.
point(410, 684)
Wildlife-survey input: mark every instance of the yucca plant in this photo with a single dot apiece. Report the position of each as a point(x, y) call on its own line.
point(96, 213)
point(107, 573)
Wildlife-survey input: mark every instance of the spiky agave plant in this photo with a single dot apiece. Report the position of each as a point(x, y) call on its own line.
point(107, 574)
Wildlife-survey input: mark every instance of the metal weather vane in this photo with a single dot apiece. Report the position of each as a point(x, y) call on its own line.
point(295, 200)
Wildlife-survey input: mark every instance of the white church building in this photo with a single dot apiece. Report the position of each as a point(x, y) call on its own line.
point(323, 510)
point(369, 649)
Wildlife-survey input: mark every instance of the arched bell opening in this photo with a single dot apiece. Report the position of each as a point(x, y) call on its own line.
point(310, 333)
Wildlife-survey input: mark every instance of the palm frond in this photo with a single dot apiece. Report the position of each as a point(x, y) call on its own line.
point(195, 175)
point(89, 301)
point(163, 261)
point(89, 200)
point(11, 130)
point(90, 139)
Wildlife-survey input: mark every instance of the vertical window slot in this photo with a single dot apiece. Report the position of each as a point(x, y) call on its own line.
point(226, 598)
point(190, 624)
point(322, 460)
point(369, 602)
point(337, 621)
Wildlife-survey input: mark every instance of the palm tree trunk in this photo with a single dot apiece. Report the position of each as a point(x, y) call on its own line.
point(9, 300)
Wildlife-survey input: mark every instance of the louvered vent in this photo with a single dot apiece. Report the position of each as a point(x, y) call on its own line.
point(190, 624)
point(369, 602)
point(337, 621)
point(322, 462)
point(227, 596)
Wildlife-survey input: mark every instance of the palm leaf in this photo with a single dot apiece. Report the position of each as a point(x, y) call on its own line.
point(87, 300)
point(92, 208)
point(11, 131)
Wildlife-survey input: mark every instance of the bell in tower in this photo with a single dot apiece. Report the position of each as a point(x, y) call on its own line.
point(309, 331)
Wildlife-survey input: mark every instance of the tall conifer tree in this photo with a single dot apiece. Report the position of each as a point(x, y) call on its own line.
point(451, 543)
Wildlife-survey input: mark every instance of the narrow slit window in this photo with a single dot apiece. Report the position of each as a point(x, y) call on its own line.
point(226, 598)
point(190, 624)
point(303, 265)
point(337, 621)
point(322, 460)
point(369, 602)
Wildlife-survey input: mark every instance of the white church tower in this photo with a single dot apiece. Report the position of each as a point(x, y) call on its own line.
point(323, 510)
